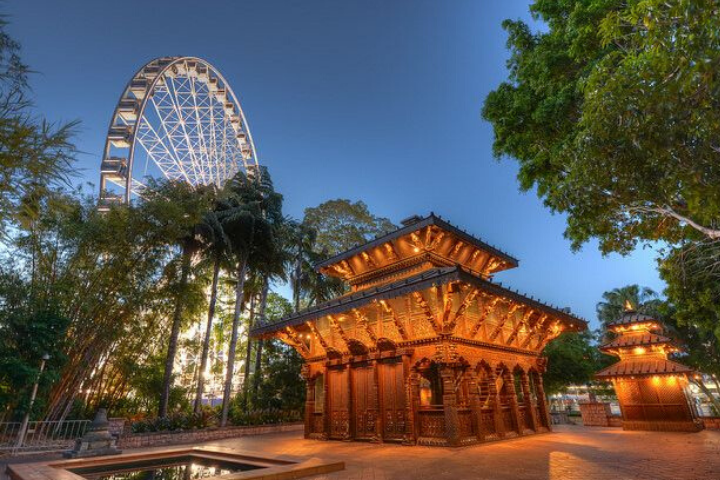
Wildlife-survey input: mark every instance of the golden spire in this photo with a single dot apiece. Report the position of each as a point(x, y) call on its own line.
point(628, 306)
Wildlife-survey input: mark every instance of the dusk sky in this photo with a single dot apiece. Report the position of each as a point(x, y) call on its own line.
point(368, 100)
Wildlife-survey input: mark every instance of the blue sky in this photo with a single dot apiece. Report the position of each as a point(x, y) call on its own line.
point(372, 100)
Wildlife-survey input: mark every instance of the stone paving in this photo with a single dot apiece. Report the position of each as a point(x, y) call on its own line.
point(571, 452)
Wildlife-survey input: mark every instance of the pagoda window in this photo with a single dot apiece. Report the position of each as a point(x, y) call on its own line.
point(483, 387)
point(517, 381)
point(533, 378)
point(431, 387)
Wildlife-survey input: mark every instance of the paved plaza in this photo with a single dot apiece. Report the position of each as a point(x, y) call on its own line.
point(571, 452)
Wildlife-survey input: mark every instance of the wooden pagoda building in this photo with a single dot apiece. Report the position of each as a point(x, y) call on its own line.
point(650, 387)
point(424, 348)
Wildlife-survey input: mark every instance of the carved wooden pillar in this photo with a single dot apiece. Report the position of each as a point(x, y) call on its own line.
point(326, 404)
point(412, 401)
point(309, 405)
point(350, 431)
point(475, 407)
point(510, 385)
point(530, 415)
point(377, 412)
point(413, 426)
point(542, 403)
point(494, 403)
point(452, 422)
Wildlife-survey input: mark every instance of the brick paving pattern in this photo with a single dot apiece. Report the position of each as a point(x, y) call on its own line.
point(571, 452)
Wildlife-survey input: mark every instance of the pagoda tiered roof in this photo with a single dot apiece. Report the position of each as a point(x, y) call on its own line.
point(642, 348)
point(420, 244)
point(631, 317)
point(640, 339)
point(426, 282)
point(643, 366)
point(423, 280)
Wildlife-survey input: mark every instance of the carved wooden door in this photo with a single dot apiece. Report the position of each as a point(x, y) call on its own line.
point(394, 415)
point(338, 403)
point(364, 400)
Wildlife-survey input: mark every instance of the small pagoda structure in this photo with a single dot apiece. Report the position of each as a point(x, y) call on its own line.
point(424, 348)
point(650, 387)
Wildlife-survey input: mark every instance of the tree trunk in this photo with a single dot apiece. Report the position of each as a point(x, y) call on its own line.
point(248, 351)
point(296, 283)
point(174, 334)
point(259, 346)
point(239, 297)
point(208, 336)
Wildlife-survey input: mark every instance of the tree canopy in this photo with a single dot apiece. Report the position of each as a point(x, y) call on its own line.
point(614, 116)
point(341, 225)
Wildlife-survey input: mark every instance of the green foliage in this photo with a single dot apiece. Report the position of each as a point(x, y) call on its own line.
point(611, 308)
point(693, 309)
point(341, 224)
point(613, 115)
point(269, 416)
point(35, 156)
point(175, 422)
point(573, 359)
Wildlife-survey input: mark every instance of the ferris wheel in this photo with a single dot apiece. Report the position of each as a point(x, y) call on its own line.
point(189, 126)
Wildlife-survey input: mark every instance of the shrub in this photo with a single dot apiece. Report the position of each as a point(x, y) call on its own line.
point(175, 422)
point(268, 416)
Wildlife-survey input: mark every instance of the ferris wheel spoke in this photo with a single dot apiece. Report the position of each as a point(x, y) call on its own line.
point(157, 151)
point(194, 163)
point(172, 160)
point(200, 131)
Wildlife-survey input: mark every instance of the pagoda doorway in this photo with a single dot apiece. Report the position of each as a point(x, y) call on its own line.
point(393, 405)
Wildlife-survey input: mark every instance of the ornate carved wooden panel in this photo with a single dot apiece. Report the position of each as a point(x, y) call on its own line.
point(522, 418)
point(339, 399)
point(488, 421)
point(508, 420)
point(317, 423)
point(393, 399)
point(465, 424)
point(364, 409)
point(432, 423)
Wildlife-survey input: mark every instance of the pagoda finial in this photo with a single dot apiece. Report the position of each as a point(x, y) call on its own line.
point(628, 306)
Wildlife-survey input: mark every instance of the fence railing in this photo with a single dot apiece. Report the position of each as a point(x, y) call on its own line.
point(41, 436)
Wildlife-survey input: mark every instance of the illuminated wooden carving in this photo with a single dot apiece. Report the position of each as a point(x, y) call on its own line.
point(425, 347)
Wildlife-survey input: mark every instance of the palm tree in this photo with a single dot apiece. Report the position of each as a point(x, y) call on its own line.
point(216, 246)
point(641, 299)
point(184, 206)
point(252, 207)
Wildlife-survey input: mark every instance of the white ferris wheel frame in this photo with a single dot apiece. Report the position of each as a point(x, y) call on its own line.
point(182, 149)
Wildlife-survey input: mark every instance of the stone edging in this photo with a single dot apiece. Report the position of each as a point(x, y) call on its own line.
point(159, 439)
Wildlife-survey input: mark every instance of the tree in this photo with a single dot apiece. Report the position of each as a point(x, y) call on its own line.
point(184, 207)
point(341, 224)
point(573, 359)
point(252, 207)
point(613, 304)
point(216, 247)
point(36, 157)
point(278, 384)
point(613, 116)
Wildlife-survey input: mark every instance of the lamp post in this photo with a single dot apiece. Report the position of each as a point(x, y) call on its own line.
point(26, 418)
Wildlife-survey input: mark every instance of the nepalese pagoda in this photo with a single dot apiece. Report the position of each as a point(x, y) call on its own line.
point(651, 388)
point(425, 348)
